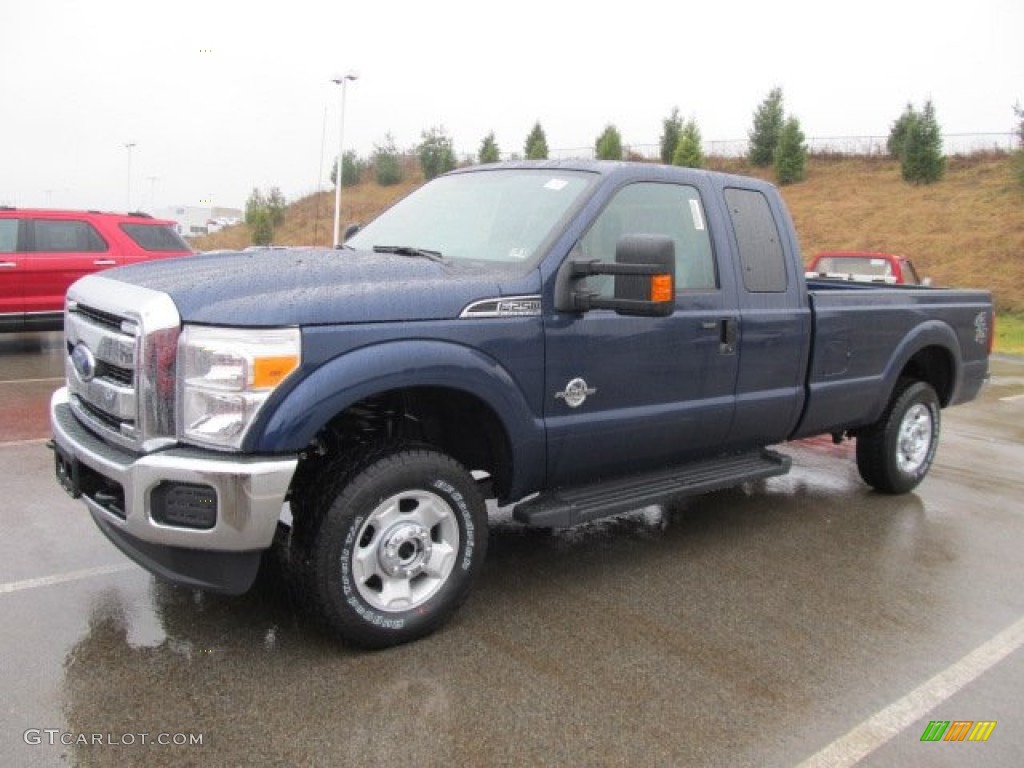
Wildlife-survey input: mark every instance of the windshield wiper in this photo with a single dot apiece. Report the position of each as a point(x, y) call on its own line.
point(409, 250)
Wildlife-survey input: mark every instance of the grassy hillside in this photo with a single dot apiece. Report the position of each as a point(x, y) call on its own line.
point(967, 230)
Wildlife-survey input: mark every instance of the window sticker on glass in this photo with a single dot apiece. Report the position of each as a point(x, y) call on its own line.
point(878, 262)
point(518, 253)
point(698, 215)
point(556, 184)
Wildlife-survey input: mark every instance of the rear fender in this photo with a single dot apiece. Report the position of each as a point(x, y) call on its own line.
point(930, 334)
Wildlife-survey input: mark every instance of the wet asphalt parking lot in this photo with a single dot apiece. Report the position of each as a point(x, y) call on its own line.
point(800, 621)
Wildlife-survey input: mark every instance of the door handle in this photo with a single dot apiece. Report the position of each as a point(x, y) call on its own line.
point(105, 263)
point(729, 331)
point(8, 265)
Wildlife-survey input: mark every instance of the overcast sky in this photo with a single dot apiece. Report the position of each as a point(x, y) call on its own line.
point(220, 96)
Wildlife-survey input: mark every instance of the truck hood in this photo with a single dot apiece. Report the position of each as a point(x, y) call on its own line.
point(312, 287)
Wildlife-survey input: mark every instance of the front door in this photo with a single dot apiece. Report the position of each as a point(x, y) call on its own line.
point(625, 393)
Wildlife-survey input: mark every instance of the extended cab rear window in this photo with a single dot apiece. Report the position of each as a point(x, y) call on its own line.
point(757, 236)
point(155, 237)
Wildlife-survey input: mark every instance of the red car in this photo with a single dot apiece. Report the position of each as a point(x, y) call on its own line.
point(865, 267)
point(43, 251)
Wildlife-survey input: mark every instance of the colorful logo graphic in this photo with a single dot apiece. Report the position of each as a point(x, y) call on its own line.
point(958, 730)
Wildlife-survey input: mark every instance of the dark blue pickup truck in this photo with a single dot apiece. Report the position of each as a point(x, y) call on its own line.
point(577, 339)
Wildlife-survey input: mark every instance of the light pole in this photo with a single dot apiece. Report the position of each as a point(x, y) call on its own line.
point(341, 80)
point(129, 146)
point(152, 192)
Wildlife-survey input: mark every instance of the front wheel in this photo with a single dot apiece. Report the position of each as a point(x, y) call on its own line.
point(895, 454)
point(397, 548)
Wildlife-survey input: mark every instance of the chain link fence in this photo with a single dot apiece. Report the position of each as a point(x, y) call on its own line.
point(953, 144)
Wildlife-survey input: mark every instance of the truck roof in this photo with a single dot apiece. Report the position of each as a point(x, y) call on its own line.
point(623, 168)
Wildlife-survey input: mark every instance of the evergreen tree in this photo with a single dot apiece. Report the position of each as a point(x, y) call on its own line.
point(276, 206)
point(609, 144)
point(386, 163)
point(689, 152)
point(921, 159)
point(898, 132)
point(260, 228)
point(764, 136)
point(672, 128)
point(263, 213)
point(536, 144)
point(254, 204)
point(436, 153)
point(351, 169)
point(489, 152)
point(791, 153)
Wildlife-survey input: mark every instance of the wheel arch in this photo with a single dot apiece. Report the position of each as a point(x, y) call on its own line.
point(931, 353)
point(450, 396)
point(935, 365)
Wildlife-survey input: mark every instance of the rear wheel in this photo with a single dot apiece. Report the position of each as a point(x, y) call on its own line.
point(895, 454)
point(393, 549)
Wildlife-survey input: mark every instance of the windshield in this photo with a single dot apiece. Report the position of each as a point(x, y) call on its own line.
point(501, 216)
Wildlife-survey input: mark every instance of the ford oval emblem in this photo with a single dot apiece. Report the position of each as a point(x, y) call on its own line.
point(84, 362)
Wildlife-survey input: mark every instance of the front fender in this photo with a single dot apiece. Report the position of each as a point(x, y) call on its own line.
point(379, 368)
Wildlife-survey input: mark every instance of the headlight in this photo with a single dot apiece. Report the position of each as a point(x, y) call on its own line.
point(227, 375)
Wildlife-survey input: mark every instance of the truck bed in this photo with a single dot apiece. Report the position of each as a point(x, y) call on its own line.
point(865, 334)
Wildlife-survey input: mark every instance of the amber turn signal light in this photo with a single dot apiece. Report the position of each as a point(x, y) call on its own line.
point(662, 288)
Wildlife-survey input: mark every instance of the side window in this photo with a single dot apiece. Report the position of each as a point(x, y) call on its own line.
point(9, 235)
point(761, 255)
point(651, 208)
point(59, 236)
point(155, 237)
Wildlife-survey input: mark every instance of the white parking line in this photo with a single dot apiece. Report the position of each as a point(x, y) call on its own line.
point(32, 381)
point(63, 578)
point(887, 723)
point(16, 443)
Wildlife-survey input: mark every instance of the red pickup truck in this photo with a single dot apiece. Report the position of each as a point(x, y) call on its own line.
point(865, 267)
point(42, 252)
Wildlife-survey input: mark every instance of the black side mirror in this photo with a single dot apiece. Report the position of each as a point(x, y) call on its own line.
point(645, 279)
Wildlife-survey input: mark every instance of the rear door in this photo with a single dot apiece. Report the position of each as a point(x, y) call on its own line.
point(775, 321)
point(630, 393)
point(61, 250)
point(12, 268)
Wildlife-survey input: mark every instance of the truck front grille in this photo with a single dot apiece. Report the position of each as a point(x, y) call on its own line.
point(101, 374)
point(121, 345)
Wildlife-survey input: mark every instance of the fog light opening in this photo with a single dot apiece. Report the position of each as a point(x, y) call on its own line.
point(185, 505)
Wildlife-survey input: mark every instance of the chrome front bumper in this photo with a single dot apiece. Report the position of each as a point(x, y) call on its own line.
point(250, 494)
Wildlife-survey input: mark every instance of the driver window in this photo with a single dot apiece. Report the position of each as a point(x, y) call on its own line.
point(651, 208)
